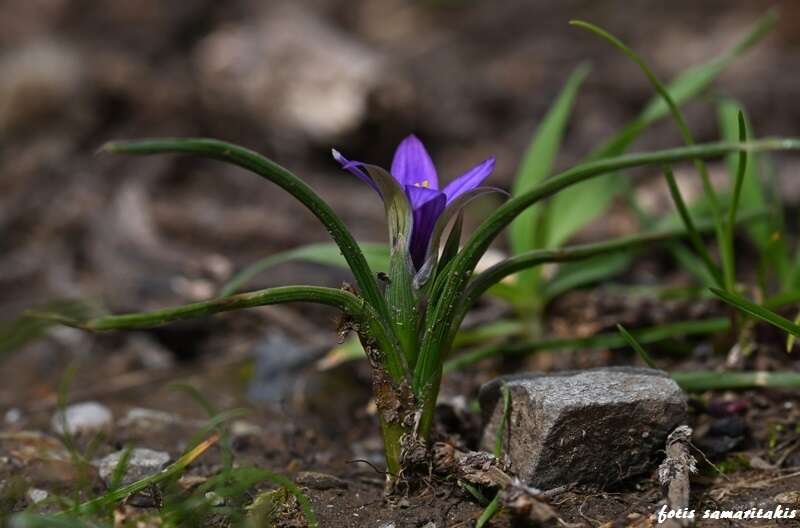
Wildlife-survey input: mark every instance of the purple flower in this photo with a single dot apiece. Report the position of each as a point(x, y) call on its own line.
point(413, 169)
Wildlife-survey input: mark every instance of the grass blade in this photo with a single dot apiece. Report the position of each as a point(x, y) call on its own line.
point(490, 511)
point(498, 441)
point(605, 340)
point(494, 274)
point(757, 311)
point(698, 381)
point(173, 470)
point(694, 235)
point(537, 164)
point(591, 198)
point(688, 138)
point(18, 332)
point(791, 338)
point(494, 506)
point(328, 254)
point(637, 347)
point(752, 191)
point(574, 275)
point(730, 270)
point(254, 162)
point(343, 300)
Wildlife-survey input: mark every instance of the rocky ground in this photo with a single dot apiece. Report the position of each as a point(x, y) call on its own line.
point(292, 79)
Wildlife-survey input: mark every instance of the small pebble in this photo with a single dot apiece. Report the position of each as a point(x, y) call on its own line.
point(214, 499)
point(241, 428)
point(788, 497)
point(319, 481)
point(13, 416)
point(36, 495)
point(146, 418)
point(142, 462)
point(82, 418)
point(732, 426)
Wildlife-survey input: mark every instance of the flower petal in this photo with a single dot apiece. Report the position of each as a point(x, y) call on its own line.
point(413, 166)
point(419, 196)
point(452, 209)
point(354, 167)
point(425, 217)
point(469, 180)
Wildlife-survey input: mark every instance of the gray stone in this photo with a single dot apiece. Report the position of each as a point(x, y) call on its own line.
point(319, 481)
point(13, 416)
point(215, 499)
point(279, 362)
point(593, 427)
point(319, 86)
point(153, 420)
point(36, 495)
point(82, 418)
point(142, 463)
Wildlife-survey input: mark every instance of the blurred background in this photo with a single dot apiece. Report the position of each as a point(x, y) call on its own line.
point(291, 79)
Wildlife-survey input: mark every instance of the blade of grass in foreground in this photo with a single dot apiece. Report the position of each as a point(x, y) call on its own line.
point(173, 470)
point(757, 311)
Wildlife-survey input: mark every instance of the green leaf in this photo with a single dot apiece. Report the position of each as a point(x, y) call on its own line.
point(341, 299)
point(501, 328)
point(17, 332)
point(401, 296)
point(791, 338)
point(757, 311)
point(453, 210)
point(490, 277)
point(694, 235)
point(576, 274)
point(490, 511)
point(327, 253)
point(688, 138)
point(587, 201)
point(699, 381)
point(598, 341)
point(453, 243)
point(494, 506)
point(254, 162)
point(537, 164)
point(741, 168)
point(752, 191)
point(498, 441)
point(637, 347)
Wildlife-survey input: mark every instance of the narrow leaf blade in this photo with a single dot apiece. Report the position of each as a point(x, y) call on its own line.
point(757, 311)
